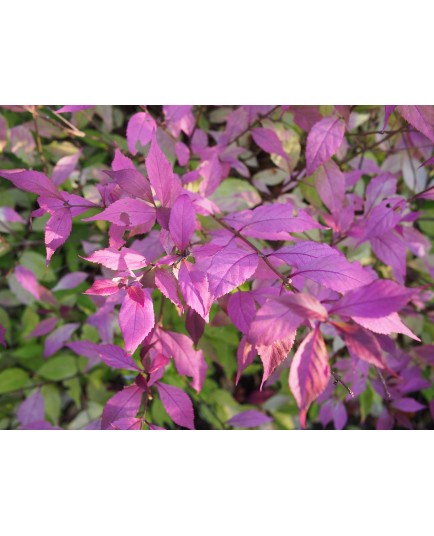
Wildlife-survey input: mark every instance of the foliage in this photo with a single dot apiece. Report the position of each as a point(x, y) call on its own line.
point(216, 267)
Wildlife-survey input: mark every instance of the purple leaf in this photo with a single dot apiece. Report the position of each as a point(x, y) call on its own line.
point(87, 349)
point(27, 279)
point(132, 182)
point(57, 231)
point(241, 310)
point(128, 213)
point(182, 153)
point(376, 300)
point(64, 167)
point(421, 118)
point(182, 222)
point(246, 353)
point(136, 319)
point(8, 214)
point(324, 139)
point(32, 409)
point(121, 162)
point(179, 118)
point(249, 419)
point(70, 281)
point(177, 404)
point(141, 127)
point(362, 344)
point(195, 325)
point(166, 185)
point(73, 108)
point(272, 222)
point(127, 424)
point(388, 110)
point(386, 325)
point(194, 288)
point(188, 361)
point(167, 285)
point(120, 260)
point(408, 405)
point(391, 249)
point(273, 355)
point(330, 183)
point(116, 357)
point(57, 339)
point(268, 141)
point(32, 181)
point(44, 327)
point(123, 405)
point(230, 268)
point(310, 372)
point(3, 335)
point(103, 287)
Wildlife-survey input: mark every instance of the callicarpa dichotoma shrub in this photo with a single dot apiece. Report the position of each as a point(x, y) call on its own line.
point(216, 267)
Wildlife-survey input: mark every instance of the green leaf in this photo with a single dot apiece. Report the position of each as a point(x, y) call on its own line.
point(53, 403)
point(12, 379)
point(59, 368)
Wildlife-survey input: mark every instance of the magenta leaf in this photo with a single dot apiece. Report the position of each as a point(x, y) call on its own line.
point(386, 325)
point(27, 279)
point(127, 424)
point(421, 118)
point(249, 419)
point(324, 139)
point(167, 285)
point(330, 182)
point(57, 231)
point(116, 357)
point(268, 140)
point(32, 409)
point(64, 168)
point(408, 405)
point(73, 108)
point(310, 372)
point(32, 181)
point(103, 287)
point(194, 288)
point(125, 259)
point(166, 185)
point(123, 405)
point(188, 361)
point(177, 404)
point(388, 110)
point(44, 327)
point(141, 127)
point(87, 349)
point(363, 344)
point(133, 182)
point(182, 222)
point(274, 354)
point(195, 325)
point(57, 339)
point(241, 310)
point(230, 268)
point(376, 300)
point(128, 213)
point(136, 318)
point(70, 281)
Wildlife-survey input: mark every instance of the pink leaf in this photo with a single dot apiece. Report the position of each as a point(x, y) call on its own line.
point(249, 419)
point(122, 405)
point(32, 181)
point(362, 344)
point(182, 222)
point(57, 339)
point(73, 108)
point(121, 162)
point(195, 325)
point(241, 310)
point(421, 118)
point(64, 167)
point(70, 281)
point(127, 424)
point(141, 127)
point(388, 110)
point(166, 185)
point(376, 300)
point(274, 354)
point(167, 285)
point(103, 287)
point(133, 182)
point(246, 353)
point(136, 320)
point(386, 325)
point(323, 141)
point(230, 268)
point(179, 118)
point(177, 404)
point(188, 361)
point(57, 231)
point(330, 182)
point(310, 372)
point(128, 213)
point(27, 279)
point(120, 260)
point(268, 141)
point(116, 357)
point(32, 409)
point(194, 288)
point(44, 327)
point(182, 153)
